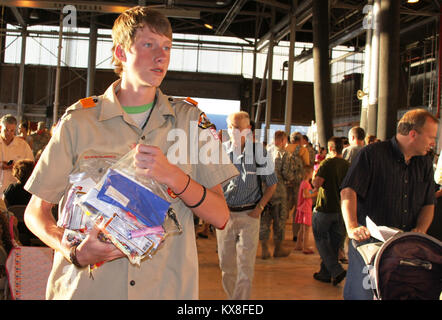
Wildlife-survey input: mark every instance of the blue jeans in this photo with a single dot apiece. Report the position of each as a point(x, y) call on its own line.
point(328, 230)
point(357, 286)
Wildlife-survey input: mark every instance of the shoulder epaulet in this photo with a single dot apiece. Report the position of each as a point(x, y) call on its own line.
point(191, 101)
point(85, 103)
point(89, 102)
point(187, 100)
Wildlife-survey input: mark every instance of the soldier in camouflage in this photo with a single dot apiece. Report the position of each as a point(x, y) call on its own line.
point(299, 159)
point(277, 211)
point(40, 138)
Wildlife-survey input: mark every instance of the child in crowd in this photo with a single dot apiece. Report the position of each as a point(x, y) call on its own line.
point(304, 211)
point(319, 157)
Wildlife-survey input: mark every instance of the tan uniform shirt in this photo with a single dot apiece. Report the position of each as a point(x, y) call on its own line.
point(105, 130)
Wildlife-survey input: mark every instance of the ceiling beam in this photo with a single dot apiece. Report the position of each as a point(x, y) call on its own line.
point(308, 54)
point(275, 4)
point(230, 16)
point(403, 10)
point(88, 6)
point(284, 22)
point(18, 16)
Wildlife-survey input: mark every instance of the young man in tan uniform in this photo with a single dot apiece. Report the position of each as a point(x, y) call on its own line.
point(107, 127)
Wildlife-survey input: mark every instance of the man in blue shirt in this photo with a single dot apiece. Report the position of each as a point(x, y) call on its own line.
point(238, 241)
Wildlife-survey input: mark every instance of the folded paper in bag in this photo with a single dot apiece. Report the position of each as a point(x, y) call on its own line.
point(129, 195)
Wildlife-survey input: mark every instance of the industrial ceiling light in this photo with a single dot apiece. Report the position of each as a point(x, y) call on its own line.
point(412, 1)
point(208, 26)
point(34, 15)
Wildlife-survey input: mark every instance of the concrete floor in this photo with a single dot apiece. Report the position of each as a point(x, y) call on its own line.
point(289, 278)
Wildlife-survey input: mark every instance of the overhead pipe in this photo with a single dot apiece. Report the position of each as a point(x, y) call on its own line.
point(334, 42)
point(366, 81)
point(261, 95)
point(21, 76)
point(255, 56)
point(92, 59)
point(269, 89)
point(372, 110)
point(283, 22)
point(58, 73)
point(289, 87)
point(214, 4)
point(230, 16)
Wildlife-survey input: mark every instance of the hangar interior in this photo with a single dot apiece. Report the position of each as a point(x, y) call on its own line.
point(391, 59)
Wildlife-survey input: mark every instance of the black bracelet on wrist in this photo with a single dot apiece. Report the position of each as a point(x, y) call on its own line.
point(73, 256)
point(185, 188)
point(202, 199)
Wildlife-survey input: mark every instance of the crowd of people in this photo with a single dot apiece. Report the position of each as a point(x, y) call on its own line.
point(299, 179)
point(20, 149)
point(328, 191)
point(322, 189)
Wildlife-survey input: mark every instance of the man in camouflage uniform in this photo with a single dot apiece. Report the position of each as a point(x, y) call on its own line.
point(299, 159)
point(278, 210)
point(40, 138)
point(311, 152)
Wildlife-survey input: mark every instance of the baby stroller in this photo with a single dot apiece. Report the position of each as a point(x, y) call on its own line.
point(408, 266)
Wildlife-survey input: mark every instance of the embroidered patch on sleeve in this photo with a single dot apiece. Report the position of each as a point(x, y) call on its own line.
point(204, 123)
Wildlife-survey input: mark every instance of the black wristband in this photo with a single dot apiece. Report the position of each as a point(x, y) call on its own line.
point(185, 188)
point(202, 199)
point(73, 256)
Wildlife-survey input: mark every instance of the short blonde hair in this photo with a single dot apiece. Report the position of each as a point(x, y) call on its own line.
point(127, 24)
point(240, 115)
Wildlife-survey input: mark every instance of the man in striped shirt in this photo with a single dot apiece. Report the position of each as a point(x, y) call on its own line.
point(238, 241)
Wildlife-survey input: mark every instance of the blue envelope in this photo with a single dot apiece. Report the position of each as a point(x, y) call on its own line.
point(132, 196)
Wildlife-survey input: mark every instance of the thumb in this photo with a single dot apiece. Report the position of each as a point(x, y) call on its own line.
point(94, 231)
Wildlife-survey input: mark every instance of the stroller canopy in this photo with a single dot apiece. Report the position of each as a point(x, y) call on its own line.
point(409, 266)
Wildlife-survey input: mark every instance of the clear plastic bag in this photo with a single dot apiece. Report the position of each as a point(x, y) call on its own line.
point(126, 166)
point(131, 211)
